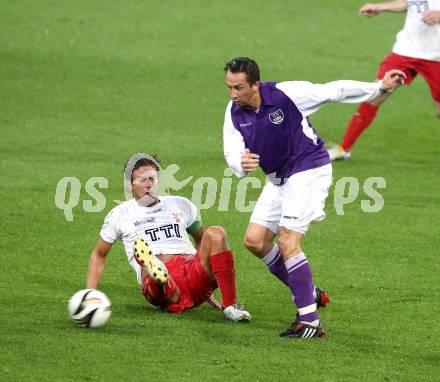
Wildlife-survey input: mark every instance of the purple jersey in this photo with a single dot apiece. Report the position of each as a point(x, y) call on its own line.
point(282, 136)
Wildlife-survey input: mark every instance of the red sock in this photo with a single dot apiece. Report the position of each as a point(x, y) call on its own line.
point(222, 265)
point(359, 122)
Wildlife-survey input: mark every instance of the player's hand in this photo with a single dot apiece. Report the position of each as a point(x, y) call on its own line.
point(431, 17)
point(369, 10)
point(392, 79)
point(249, 161)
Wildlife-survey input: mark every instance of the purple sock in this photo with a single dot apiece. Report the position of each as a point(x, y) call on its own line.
point(301, 285)
point(275, 263)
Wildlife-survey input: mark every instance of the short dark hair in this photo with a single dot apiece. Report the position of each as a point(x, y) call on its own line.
point(244, 65)
point(140, 160)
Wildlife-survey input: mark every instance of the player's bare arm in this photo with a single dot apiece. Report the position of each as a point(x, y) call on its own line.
point(431, 17)
point(97, 263)
point(370, 9)
point(249, 161)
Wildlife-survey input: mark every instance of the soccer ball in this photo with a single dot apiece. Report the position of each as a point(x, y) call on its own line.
point(89, 308)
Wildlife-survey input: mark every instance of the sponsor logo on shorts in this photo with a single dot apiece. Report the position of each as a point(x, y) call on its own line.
point(290, 217)
point(245, 124)
point(276, 117)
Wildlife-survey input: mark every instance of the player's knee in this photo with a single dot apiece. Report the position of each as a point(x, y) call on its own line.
point(216, 234)
point(254, 244)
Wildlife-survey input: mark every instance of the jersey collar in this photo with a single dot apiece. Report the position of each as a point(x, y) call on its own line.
point(266, 96)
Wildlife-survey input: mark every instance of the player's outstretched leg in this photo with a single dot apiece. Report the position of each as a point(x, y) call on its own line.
point(145, 258)
point(159, 288)
point(336, 152)
point(361, 120)
point(218, 261)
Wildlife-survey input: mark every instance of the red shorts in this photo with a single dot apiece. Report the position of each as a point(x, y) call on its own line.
point(429, 70)
point(194, 283)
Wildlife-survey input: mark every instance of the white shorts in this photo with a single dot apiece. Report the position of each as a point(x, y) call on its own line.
point(297, 203)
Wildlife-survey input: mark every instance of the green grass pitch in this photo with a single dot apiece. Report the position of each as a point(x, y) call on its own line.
point(84, 84)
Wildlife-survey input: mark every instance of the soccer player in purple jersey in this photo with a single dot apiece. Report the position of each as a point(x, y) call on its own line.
point(266, 124)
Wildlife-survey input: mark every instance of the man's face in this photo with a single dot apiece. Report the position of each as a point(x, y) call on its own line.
point(145, 184)
point(241, 92)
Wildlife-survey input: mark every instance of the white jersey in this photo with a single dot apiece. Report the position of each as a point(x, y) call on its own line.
point(418, 39)
point(163, 226)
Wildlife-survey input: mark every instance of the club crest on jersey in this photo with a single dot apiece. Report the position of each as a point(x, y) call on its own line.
point(276, 117)
point(178, 216)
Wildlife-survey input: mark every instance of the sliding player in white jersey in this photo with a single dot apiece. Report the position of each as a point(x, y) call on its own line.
point(172, 274)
